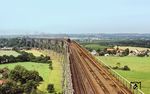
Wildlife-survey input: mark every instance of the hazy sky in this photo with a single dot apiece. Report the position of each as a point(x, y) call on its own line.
point(74, 16)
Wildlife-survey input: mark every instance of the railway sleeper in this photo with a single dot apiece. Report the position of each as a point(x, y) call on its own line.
point(99, 82)
point(114, 85)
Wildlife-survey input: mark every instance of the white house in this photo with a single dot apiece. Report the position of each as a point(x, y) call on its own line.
point(94, 52)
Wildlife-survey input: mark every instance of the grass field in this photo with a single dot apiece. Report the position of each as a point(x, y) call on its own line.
point(35, 52)
point(3, 52)
point(56, 73)
point(41, 68)
point(95, 46)
point(140, 69)
point(50, 76)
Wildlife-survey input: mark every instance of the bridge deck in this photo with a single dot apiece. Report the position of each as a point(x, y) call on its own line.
point(89, 76)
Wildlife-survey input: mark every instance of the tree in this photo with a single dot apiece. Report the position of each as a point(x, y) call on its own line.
point(5, 58)
point(20, 74)
point(29, 86)
point(23, 57)
point(29, 80)
point(4, 72)
point(101, 53)
point(50, 66)
point(10, 88)
point(126, 52)
point(12, 58)
point(50, 88)
point(118, 64)
point(126, 68)
point(98, 50)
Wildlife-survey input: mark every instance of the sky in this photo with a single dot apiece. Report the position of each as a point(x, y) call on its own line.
point(74, 16)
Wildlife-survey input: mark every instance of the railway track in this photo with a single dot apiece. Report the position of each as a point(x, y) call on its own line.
point(89, 76)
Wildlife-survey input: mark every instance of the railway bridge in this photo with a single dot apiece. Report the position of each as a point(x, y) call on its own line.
point(83, 73)
point(90, 76)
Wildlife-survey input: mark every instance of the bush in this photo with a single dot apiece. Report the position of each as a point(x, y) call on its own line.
point(50, 88)
point(115, 67)
point(141, 55)
point(24, 57)
point(101, 53)
point(126, 68)
point(50, 66)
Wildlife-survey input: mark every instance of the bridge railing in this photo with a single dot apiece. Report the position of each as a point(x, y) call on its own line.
point(124, 81)
point(67, 82)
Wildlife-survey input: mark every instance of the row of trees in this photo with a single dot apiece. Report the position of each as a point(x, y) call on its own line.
point(20, 81)
point(25, 57)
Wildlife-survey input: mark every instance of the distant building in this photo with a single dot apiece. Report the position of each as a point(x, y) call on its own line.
point(94, 52)
point(110, 49)
point(106, 55)
point(120, 52)
point(139, 52)
point(6, 48)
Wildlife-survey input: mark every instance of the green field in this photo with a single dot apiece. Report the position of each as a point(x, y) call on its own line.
point(3, 52)
point(35, 52)
point(56, 73)
point(50, 76)
point(41, 68)
point(140, 69)
point(94, 46)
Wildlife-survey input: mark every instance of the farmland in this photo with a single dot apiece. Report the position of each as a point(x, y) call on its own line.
point(3, 52)
point(94, 46)
point(140, 69)
point(49, 76)
point(52, 76)
point(35, 52)
point(41, 68)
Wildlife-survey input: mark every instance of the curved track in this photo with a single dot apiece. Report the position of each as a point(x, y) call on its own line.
point(89, 76)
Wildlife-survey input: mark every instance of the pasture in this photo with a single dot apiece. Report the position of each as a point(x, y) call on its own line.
point(55, 75)
point(4, 52)
point(50, 76)
point(95, 46)
point(41, 68)
point(35, 52)
point(140, 69)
